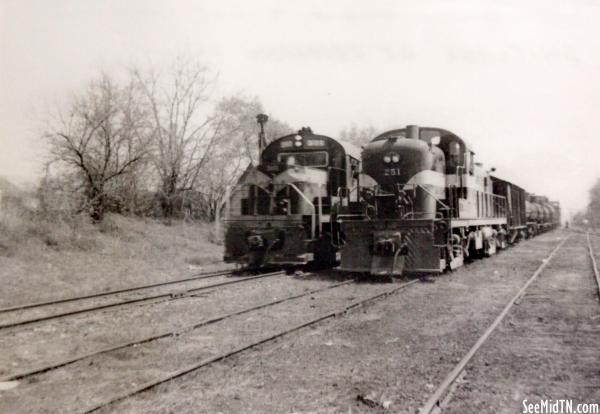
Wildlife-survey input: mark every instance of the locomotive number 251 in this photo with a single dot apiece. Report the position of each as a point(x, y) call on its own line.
point(391, 172)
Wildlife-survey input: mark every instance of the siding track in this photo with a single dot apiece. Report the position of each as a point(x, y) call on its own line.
point(172, 295)
point(444, 392)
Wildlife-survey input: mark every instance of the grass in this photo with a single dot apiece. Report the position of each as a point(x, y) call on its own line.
point(45, 258)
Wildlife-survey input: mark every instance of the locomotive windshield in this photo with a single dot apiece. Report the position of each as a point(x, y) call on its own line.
point(305, 159)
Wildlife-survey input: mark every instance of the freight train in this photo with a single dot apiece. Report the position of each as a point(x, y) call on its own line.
point(414, 201)
point(432, 207)
point(279, 213)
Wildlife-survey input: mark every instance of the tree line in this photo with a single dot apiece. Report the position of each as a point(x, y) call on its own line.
point(590, 216)
point(153, 142)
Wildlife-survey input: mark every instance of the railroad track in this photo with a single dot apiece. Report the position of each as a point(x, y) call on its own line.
point(582, 231)
point(205, 362)
point(594, 264)
point(138, 389)
point(443, 394)
point(197, 276)
point(128, 344)
point(136, 300)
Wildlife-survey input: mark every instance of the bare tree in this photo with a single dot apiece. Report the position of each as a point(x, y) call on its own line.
point(359, 136)
point(240, 129)
point(99, 138)
point(593, 210)
point(238, 147)
point(184, 130)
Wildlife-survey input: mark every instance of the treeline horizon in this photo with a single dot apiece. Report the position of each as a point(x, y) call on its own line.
point(152, 141)
point(155, 141)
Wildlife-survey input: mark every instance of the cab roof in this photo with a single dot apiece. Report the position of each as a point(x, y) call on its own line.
point(425, 134)
point(306, 133)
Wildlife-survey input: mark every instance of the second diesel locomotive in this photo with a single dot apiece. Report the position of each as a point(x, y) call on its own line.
point(432, 206)
point(279, 213)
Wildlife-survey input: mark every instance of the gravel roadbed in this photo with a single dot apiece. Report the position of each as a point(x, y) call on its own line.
point(85, 383)
point(17, 316)
point(49, 341)
point(548, 347)
point(386, 357)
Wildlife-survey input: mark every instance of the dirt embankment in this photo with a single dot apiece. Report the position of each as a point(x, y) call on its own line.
point(42, 260)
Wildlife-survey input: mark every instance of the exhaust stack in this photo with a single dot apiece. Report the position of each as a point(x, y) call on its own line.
point(412, 131)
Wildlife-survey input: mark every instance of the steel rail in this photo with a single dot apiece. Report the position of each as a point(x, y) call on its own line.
point(136, 300)
point(436, 401)
point(594, 264)
point(208, 361)
point(198, 276)
point(591, 233)
point(183, 330)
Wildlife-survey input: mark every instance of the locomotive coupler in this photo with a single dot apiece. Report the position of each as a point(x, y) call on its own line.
point(256, 242)
point(389, 245)
point(386, 251)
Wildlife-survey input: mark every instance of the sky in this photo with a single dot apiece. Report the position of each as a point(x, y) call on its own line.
point(519, 80)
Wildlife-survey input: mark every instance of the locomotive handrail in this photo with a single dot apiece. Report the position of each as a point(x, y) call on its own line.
point(503, 205)
point(293, 186)
point(412, 214)
point(312, 222)
point(434, 197)
point(499, 204)
point(437, 200)
point(340, 217)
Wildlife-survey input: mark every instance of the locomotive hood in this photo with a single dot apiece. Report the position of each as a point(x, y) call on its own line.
point(402, 161)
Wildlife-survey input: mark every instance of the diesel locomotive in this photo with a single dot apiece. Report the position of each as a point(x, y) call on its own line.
point(280, 211)
point(431, 207)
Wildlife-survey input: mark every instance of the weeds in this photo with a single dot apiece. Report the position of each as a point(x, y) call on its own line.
point(55, 254)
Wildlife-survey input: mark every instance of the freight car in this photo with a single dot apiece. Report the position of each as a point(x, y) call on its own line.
point(432, 206)
point(516, 208)
point(279, 213)
point(542, 214)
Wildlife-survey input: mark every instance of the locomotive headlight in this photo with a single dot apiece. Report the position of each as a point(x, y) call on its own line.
point(298, 137)
point(387, 159)
point(395, 158)
point(298, 143)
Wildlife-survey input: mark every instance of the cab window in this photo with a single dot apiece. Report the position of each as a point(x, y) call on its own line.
point(305, 159)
